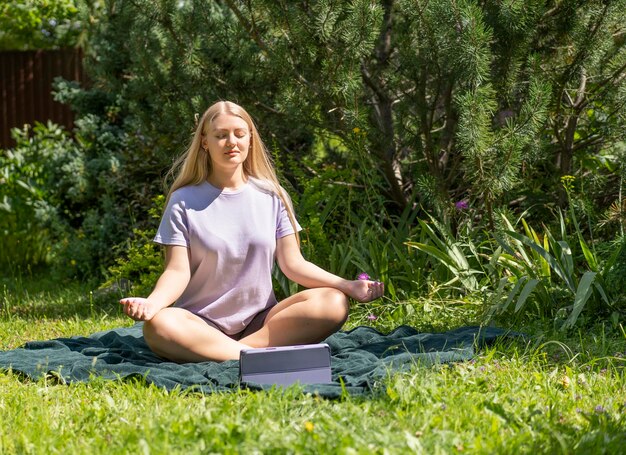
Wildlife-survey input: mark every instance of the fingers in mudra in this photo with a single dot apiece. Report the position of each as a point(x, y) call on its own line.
point(366, 290)
point(375, 289)
point(135, 308)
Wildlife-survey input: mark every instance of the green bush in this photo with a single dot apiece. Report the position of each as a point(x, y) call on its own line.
point(32, 174)
point(544, 270)
point(140, 261)
point(39, 24)
point(400, 127)
point(526, 275)
point(67, 202)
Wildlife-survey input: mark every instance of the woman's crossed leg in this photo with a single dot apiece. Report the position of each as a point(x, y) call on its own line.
point(306, 317)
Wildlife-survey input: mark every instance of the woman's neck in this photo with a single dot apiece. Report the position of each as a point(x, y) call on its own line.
point(227, 181)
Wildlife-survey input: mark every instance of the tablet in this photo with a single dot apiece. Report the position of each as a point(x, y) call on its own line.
point(285, 365)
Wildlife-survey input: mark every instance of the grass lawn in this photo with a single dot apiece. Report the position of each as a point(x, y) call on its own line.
point(557, 394)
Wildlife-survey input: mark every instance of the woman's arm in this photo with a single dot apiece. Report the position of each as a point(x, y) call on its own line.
point(169, 286)
point(309, 275)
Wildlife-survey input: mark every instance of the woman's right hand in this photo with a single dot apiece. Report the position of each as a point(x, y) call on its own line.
point(364, 290)
point(139, 308)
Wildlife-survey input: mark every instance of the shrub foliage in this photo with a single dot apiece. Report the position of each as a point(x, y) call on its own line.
point(390, 121)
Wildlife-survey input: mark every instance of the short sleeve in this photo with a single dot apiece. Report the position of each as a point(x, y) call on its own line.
point(283, 223)
point(174, 227)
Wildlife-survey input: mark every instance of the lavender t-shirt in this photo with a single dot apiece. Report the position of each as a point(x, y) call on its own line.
point(231, 237)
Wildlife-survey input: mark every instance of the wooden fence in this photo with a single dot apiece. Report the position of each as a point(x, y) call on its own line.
point(26, 79)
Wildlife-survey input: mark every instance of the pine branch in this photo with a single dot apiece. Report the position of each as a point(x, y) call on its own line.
point(249, 26)
point(572, 123)
point(588, 141)
point(450, 123)
point(384, 47)
point(600, 88)
point(382, 103)
point(580, 56)
point(425, 124)
point(597, 139)
point(253, 32)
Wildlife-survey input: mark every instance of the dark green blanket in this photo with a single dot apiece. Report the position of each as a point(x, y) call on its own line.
point(361, 358)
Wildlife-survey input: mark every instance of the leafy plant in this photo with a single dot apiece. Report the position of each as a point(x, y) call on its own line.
point(381, 254)
point(39, 24)
point(461, 261)
point(613, 275)
point(30, 221)
point(521, 273)
point(546, 269)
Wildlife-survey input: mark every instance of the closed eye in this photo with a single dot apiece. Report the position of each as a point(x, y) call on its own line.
point(238, 133)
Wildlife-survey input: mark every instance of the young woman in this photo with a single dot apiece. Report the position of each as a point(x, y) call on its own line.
point(226, 221)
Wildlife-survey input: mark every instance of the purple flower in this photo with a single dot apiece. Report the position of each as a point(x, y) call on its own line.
point(363, 276)
point(462, 205)
point(372, 317)
point(599, 409)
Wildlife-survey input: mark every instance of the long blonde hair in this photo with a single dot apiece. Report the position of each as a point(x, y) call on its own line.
point(194, 166)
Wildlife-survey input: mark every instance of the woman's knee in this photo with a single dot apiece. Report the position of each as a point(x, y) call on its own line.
point(158, 328)
point(336, 306)
point(161, 331)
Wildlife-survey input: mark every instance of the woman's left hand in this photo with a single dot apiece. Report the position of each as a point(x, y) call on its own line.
point(365, 290)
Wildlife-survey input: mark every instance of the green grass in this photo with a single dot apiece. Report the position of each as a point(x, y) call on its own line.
point(557, 393)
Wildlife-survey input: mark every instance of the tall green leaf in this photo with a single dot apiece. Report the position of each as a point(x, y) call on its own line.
point(583, 293)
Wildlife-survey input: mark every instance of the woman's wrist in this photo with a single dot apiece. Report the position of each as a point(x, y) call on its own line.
point(158, 301)
point(344, 286)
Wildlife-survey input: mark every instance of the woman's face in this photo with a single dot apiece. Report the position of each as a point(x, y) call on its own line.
point(227, 140)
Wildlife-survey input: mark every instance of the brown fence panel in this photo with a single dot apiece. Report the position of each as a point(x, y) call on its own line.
point(26, 79)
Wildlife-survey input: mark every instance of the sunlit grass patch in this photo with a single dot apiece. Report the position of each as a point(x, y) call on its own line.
point(550, 392)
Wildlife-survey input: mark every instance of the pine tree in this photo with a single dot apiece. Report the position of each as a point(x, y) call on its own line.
point(472, 99)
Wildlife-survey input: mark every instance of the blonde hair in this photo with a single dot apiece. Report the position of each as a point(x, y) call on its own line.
point(194, 166)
